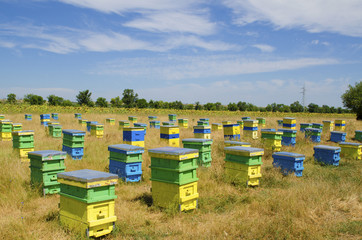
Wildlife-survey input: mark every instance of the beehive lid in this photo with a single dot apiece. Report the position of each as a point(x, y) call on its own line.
point(174, 126)
point(236, 143)
point(91, 122)
point(350, 144)
point(204, 119)
point(289, 154)
point(202, 127)
point(287, 130)
point(306, 124)
point(140, 125)
point(250, 120)
point(23, 133)
point(97, 124)
point(17, 124)
point(173, 150)
point(73, 131)
point(172, 114)
point(168, 122)
point(232, 125)
point(126, 149)
point(268, 129)
point(261, 118)
point(133, 129)
point(154, 121)
point(198, 140)
point(326, 147)
point(317, 124)
point(325, 121)
point(45, 115)
point(313, 129)
point(250, 151)
point(6, 121)
point(338, 132)
point(87, 175)
point(124, 121)
point(271, 131)
point(245, 118)
point(110, 118)
point(291, 118)
point(132, 117)
point(47, 154)
point(152, 116)
point(25, 115)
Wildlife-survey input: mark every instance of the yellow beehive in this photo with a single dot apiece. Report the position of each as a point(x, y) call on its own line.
point(135, 143)
point(250, 134)
point(226, 122)
point(202, 135)
point(236, 143)
point(23, 153)
point(97, 133)
point(216, 126)
point(288, 120)
point(273, 144)
point(6, 136)
point(232, 130)
point(174, 142)
point(328, 125)
point(251, 123)
point(351, 150)
point(242, 173)
point(169, 130)
point(340, 125)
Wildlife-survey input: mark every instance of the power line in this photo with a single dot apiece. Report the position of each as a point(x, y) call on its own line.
point(303, 92)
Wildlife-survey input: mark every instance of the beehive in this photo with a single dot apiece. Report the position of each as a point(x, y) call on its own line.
point(183, 122)
point(132, 119)
point(288, 137)
point(6, 127)
point(82, 122)
point(351, 150)
point(174, 178)
point(205, 120)
point(202, 132)
point(202, 123)
point(134, 136)
point(89, 123)
point(328, 125)
point(289, 162)
point(23, 143)
point(358, 135)
point(303, 126)
point(245, 118)
point(111, 121)
point(328, 155)
point(340, 125)
point(87, 201)
point(2, 116)
point(44, 119)
point(231, 131)
point(170, 135)
point(97, 130)
point(55, 130)
point(261, 121)
point(216, 126)
point(44, 167)
point(143, 125)
point(126, 161)
point(73, 143)
point(152, 118)
point(50, 123)
point(168, 123)
point(289, 123)
point(172, 117)
point(236, 143)
point(78, 115)
point(155, 124)
point(226, 122)
point(28, 117)
point(317, 125)
point(337, 136)
point(204, 148)
point(55, 116)
point(123, 124)
point(272, 139)
point(250, 129)
point(314, 134)
point(17, 127)
point(243, 165)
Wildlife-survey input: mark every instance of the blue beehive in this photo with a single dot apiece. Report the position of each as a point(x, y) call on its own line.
point(44, 116)
point(28, 117)
point(169, 136)
point(289, 137)
point(129, 172)
point(327, 154)
point(303, 126)
point(314, 134)
point(89, 125)
point(337, 136)
point(75, 153)
point(73, 143)
point(251, 128)
point(245, 118)
point(144, 125)
point(289, 162)
point(55, 116)
point(155, 124)
point(202, 130)
point(133, 134)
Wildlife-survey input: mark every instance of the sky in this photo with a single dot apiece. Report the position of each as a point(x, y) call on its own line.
point(257, 51)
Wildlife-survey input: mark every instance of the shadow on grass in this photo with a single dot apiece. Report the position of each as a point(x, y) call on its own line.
point(145, 198)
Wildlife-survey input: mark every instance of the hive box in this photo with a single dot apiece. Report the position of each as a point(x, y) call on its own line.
point(289, 162)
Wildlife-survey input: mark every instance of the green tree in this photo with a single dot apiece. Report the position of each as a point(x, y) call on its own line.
point(84, 98)
point(232, 107)
point(352, 99)
point(198, 106)
point(313, 108)
point(101, 102)
point(11, 98)
point(296, 107)
point(242, 106)
point(116, 102)
point(129, 98)
point(67, 103)
point(142, 103)
point(210, 107)
point(218, 106)
point(55, 100)
point(33, 99)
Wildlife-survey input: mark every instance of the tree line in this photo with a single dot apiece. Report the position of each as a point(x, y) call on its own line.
point(352, 99)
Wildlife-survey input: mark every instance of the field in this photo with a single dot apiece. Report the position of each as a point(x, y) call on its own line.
point(323, 204)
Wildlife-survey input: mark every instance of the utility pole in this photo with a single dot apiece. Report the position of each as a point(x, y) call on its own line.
point(303, 92)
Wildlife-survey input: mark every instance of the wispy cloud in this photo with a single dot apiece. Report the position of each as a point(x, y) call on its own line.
point(343, 17)
point(190, 67)
point(264, 47)
point(317, 42)
point(7, 44)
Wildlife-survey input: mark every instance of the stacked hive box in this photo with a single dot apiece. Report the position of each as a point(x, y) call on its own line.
point(351, 150)
point(317, 125)
point(173, 176)
point(168, 123)
point(251, 128)
point(87, 200)
point(272, 139)
point(44, 167)
point(358, 135)
point(2, 116)
point(78, 115)
point(97, 130)
point(143, 125)
point(243, 165)
point(204, 148)
point(83, 122)
point(89, 123)
point(6, 127)
point(205, 120)
point(48, 124)
point(123, 124)
point(202, 123)
point(111, 121)
point(183, 122)
point(55, 116)
point(172, 117)
point(152, 118)
point(170, 135)
point(231, 131)
point(44, 119)
point(337, 136)
point(289, 162)
point(289, 123)
point(23, 143)
point(134, 136)
point(55, 130)
point(289, 137)
point(155, 124)
point(241, 124)
point(327, 154)
point(216, 126)
point(314, 134)
point(340, 125)
point(280, 122)
point(328, 125)
point(303, 126)
point(126, 161)
point(73, 143)
point(202, 132)
point(17, 127)
point(226, 122)
point(132, 119)
point(28, 117)
point(261, 121)
point(236, 143)
point(245, 118)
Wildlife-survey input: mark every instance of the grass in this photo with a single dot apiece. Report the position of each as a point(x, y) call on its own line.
point(323, 204)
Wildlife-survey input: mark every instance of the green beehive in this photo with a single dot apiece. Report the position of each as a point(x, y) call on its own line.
point(271, 134)
point(97, 127)
point(168, 123)
point(6, 126)
point(358, 135)
point(125, 153)
point(44, 167)
point(202, 123)
point(172, 117)
point(204, 148)
point(2, 116)
point(17, 127)
point(261, 121)
point(55, 131)
point(123, 124)
point(152, 118)
point(23, 139)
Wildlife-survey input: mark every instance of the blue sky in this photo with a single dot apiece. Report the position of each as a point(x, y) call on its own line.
point(260, 51)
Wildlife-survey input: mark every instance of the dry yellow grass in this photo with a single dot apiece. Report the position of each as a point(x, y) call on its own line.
point(323, 204)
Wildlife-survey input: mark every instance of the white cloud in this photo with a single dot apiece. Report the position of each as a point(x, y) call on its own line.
point(343, 17)
point(188, 67)
point(317, 42)
point(264, 47)
point(7, 44)
point(193, 41)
